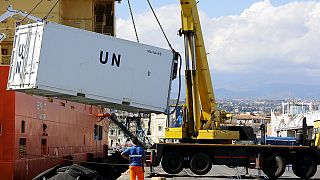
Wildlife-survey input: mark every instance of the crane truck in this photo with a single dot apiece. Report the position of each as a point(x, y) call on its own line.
point(203, 140)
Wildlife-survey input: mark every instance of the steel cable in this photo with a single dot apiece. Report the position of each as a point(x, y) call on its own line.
point(46, 17)
point(179, 88)
point(169, 44)
point(164, 34)
point(134, 24)
point(31, 11)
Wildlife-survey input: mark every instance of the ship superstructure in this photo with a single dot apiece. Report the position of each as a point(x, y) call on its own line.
point(91, 15)
point(36, 132)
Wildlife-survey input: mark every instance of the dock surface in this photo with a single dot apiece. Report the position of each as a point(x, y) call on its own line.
point(217, 172)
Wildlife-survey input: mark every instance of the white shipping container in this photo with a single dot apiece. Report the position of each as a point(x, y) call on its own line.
point(53, 60)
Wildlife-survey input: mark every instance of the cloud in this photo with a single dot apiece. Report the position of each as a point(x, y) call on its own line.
point(148, 29)
point(267, 38)
point(274, 41)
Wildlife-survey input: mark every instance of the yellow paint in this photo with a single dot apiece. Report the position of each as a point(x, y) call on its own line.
point(175, 133)
point(186, 15)
point(218, 134)
point(201, 118)
point(203, 100)
point(180, 133)
point(76, 13)
point(317, 130)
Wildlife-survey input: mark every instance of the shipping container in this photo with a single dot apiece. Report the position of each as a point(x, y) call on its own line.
point(54, 60)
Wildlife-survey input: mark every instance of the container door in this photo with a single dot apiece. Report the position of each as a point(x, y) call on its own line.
point(25, 56)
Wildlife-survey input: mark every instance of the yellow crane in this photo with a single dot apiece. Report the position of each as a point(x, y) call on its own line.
point(203, 140)
point(201, 119)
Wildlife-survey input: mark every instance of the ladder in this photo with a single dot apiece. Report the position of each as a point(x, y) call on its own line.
point(143, 140)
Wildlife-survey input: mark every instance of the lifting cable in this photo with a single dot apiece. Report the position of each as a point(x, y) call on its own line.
point(46, 17)
point(134, 24)
point(169, 44)
point(31, 11)
point(164, 34)
point(179, 88)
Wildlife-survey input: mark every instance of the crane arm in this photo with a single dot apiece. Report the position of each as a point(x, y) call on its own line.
point(200, 99)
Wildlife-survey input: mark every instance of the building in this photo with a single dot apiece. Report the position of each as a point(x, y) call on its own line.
point(158, 125)
point(289, 121)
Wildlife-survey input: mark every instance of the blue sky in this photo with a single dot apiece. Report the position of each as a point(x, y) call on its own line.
point(253, 45)
point(214, 8)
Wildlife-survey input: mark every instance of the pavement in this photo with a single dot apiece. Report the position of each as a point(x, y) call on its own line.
point(217, 172)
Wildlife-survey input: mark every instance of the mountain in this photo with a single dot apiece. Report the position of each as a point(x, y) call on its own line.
point(268, 91)
point(272, 91)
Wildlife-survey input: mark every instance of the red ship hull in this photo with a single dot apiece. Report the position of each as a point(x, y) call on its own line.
point(35, 132)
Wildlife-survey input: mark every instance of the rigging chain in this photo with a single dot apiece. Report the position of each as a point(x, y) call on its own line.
point(134, 24)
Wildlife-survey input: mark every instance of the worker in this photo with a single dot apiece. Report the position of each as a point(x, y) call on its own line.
point(136, 156)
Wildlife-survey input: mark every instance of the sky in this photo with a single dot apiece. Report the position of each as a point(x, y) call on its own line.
point(251, 45)
point(214, 8)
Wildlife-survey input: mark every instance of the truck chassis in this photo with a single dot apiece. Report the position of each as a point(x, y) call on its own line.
point(271, 159)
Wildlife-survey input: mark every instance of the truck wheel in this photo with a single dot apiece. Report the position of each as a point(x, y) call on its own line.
point(304, 168)
point(200, 164)
point(273, 167)
point(172, 163)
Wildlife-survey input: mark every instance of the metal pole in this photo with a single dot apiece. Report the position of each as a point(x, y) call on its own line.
point(186, 51)
point(304, 131)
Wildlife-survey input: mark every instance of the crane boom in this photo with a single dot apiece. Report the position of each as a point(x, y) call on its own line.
point(201, 118)
point(195, 48)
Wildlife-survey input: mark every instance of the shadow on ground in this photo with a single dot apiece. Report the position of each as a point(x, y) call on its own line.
point(220, 177)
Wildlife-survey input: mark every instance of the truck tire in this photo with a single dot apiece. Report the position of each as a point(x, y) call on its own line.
point(172, 163)
point(200, 164)
point(304, 168)
point(273, 167)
